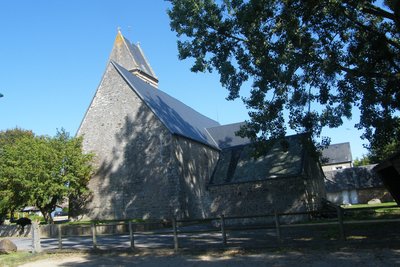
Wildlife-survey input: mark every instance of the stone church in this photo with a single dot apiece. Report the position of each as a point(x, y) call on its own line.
point(156, 157)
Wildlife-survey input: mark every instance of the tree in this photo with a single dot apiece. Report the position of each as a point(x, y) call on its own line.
point(12, 192)
point(381, 153)
point(10, 136)
point(310, 62)
point(44, 171)
point(364, 160)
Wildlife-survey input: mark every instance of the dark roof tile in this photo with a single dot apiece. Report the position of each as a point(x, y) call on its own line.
point(337, 153)
point(179, 118)
point(225, 136)
point(352, 178)
point(237, 164)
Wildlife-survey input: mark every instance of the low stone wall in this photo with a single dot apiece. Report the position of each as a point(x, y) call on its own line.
point(51, 230)
point(15, 231)
point(361, 196)
point(365, 195)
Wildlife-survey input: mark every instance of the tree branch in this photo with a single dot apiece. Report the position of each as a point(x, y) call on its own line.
point(359, 24)
point(372, 74)
point(374, 10)
point(377, 11)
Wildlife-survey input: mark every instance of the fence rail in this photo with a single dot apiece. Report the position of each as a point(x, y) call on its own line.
point(176, 228)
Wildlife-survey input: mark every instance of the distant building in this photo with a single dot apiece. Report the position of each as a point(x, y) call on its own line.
point(337, 157)
point(356, 185)
point(158, 158)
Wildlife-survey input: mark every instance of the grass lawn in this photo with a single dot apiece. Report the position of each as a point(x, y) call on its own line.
point(15, 259)
point(388, 210)
point(19, 258)
point(379, 205)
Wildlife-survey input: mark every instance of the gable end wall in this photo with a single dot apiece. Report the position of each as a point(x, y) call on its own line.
point(136, 177)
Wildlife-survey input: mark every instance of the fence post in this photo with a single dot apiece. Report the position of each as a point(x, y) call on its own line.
point(131, 236)
point(174, 226)
point(94, 235)
point(223, 230)
point(278, 226)
point(59, 236)
point(36, 237)
point(339, 211)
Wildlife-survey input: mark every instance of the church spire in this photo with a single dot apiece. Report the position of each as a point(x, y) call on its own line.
point(131, 57)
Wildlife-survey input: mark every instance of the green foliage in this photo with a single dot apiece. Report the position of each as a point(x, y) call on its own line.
point(381, 153)
point(315, 59)
point(378, 154)
point(365, 160)
point(42, 171)
point(13, 191)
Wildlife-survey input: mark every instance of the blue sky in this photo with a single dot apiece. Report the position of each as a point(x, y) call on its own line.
point(53, 55)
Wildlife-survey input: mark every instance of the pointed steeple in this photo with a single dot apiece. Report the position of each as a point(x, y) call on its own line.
point(131, 57)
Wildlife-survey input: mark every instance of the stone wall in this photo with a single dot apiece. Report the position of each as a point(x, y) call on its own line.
point(15, 230)
point(261, 197)
point(196, 163)
point(314, 183)
point(360, 196)
point(199, 199)
point(135, 177)
point(146, 172)
point(365, 195)
point(303, 192)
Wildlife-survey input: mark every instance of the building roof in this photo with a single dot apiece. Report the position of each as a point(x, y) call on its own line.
point(352, 178)
point(224, 135)
point(130, 56)
point(237, 164)
point(179, 118)
point(182, 120)
point(337, 153)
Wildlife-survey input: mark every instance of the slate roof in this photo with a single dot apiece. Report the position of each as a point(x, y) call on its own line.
point(362, 177)
point(139, 58)
point(236, 164)
point(179, 118)
point(225, 136)
point(337, 153)
point(130, 56)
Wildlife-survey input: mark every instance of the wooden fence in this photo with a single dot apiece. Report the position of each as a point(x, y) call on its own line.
point(177, 227)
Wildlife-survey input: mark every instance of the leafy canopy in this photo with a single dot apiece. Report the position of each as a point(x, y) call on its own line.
point(13, 193)
point(42, 171)
point(310, 62)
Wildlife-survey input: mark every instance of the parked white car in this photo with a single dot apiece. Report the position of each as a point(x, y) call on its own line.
point(60, 216)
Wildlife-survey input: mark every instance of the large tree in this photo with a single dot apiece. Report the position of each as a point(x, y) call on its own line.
point(43, 171)
point(13, 194)
point(315, 59)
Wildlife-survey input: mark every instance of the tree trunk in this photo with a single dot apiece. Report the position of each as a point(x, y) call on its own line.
point(47, 216)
